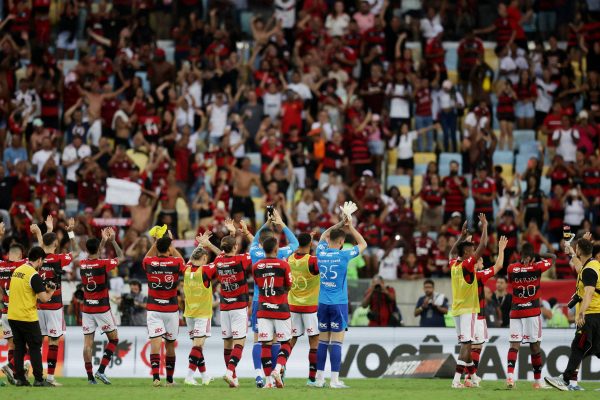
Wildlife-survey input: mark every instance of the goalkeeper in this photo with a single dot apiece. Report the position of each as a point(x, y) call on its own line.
point(333, 295)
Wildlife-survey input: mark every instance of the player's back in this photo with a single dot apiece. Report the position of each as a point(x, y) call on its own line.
point(525, 280)
point(230, 271)
point(273, 280)
point(51, 271)
point(94, 279)
point(198, 297)
point(6, 270)
point(163, 276)
point(333, 269)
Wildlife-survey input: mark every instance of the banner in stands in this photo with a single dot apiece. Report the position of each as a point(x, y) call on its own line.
point(367, 353)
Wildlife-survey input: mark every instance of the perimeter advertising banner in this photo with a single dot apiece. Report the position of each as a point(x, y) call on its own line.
point(367, 353)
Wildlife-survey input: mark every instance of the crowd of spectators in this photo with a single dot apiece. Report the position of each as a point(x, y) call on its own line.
point(218, 109)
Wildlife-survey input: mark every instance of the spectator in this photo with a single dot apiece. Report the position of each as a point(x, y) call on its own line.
point(503, 299)
point(566, 139)
point(381, 300)
point(431, 307)
point(506, 114)
point(493, 314)
point(133, 305)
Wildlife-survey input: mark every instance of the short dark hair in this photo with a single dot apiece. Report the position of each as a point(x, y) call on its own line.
point(135, 282)
point(596, 250)
point(92, 245)
point(163, 244)
point(336, 234)
point(501, 277)
point(198, 253)
point(460, 248)
point(527, 251)
point(270, 244)
point(49, 238)
point(585, 247)
point(228, 244)
point(264, 234)
point(304, 239)
point(36, 253)
point(429, 282)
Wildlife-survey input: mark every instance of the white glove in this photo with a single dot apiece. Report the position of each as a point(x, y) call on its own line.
point(348, 209)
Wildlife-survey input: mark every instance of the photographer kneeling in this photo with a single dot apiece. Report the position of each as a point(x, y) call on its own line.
point(381, 300)
point(133, 305)
point(587, 303)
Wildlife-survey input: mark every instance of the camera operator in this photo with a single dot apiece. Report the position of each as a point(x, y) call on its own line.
point(381, 300)
point(133, 305)
point(74, 309)
point(431, 307)
point(586, 301)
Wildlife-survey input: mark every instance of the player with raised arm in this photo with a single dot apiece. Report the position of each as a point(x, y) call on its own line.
point(256, 254)
point(525, 313)
point(15, 260)
point(481, 332)
point(230, 269)
point(273, 279)
point(333, 295)
point(303, 298)
point(198, 310)
point(465, 301)
point(164, 266)
point(51, 314)
point(96, 311)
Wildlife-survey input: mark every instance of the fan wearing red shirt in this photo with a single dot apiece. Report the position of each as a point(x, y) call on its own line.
point(96, 311)
point(51, 314)
point(164, 266)
point(372, 232)
point(525, 320)
point(455, 190)
point(552, 122)
point(15, 260)
point(484, 192)
point(231, 270)
point(273, 279)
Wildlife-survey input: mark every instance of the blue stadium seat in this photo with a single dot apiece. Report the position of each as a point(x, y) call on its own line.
point(546, 185)
point(398, 180)
point(531, 148)
point(444, 164)
point(420, 169)
point(469, 208)
point(523, 136)
point(503, 157)
point(145, 82)
point(254, 162)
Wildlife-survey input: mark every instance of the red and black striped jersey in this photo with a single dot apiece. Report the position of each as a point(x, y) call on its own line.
point(563, 267)
point(273, 280)
point(433, 197)
point(511, 232)
point(591, 183)
point(482, 277)
point(525, 281)
point(94, 278)
point(486, 187)
point(556, 214)
point(504, 30)
point(455, 199)
point(230, 271)
point(506, 105)
point(6, 270)
point(525, 90)
point(163, 275)
point(371, 232)
point(423, 102)
point(51, 271)
point(334, 155)
point(469, 51)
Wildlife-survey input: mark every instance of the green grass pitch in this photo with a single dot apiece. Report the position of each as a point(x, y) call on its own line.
point(371, 389)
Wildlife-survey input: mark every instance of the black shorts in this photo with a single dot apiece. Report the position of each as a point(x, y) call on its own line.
point(506, 117)
point(406, 163)
point(243, 205)
point(588, 337)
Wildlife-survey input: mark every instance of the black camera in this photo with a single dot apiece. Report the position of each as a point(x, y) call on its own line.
point(270, 210)
point(575, 299)
point(51, 285)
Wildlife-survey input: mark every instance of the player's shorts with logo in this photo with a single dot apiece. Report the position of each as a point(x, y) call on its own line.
point(6, 331)
point(52, 322)
point(305, 322)
point(526, 330)
point(234, 323)
point(282, 328)
point(480, 335)
point(332, 317)
point(165, 324)
point(198, 327)
point(465, 327)
point(105, 321)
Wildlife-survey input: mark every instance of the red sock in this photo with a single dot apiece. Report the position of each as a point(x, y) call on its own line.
point(471, 370)
point(236, 356)
point(110, 348)
point(88, 370)
point(11, 359)
point(460, 369)
point(536, 363)
point(512, 360)
point(227, 356)
point(52, 358)
point(193, 358)
point(312, 364)
point(155, 364)
point(284, 353)
point(170, 367)
point(266, 359)
point(475, 356)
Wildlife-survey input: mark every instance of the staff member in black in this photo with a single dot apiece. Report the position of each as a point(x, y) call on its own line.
point(26, 287)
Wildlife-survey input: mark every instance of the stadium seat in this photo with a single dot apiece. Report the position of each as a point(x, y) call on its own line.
point(398, 180)
point(420, 169)
point(532, 147)
point(145, 82)
point(417, 183)
point(546, 185)
point(503, 157)
point(405, 191)
point(254, 162)
point(507, 172)
point(444, 163)
point(469, 208)
point(417, 208)
point(424, 158)
point(523, 136)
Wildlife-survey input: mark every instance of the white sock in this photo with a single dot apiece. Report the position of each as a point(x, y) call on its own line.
point(229, 374)
point(258, 372)
point(278, 368)
point(319, 376)
point(335, 377)
point(269, 380)
point(572, 382)
point(190, 374)
point(510, 375)
point(204, 375)
point(49, 377)
point(458, 375)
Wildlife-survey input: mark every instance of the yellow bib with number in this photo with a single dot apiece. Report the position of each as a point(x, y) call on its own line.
point(305, 286)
